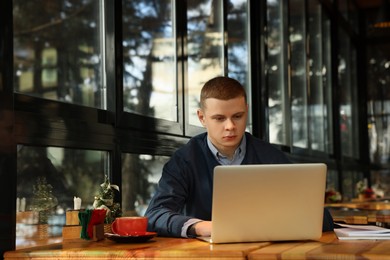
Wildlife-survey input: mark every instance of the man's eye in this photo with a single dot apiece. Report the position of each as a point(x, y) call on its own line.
point(238, 116)
point(219, 118)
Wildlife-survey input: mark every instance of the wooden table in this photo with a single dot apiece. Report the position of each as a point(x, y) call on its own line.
point(328, 247)
point(363, 212)
point(156, 248)
point(361, 205)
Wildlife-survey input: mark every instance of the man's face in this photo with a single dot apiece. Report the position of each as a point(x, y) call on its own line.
point(225, 121)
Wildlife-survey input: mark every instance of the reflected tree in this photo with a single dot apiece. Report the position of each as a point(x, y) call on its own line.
point(71, 28)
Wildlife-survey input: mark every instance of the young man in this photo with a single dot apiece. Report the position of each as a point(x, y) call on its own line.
point(181, 206)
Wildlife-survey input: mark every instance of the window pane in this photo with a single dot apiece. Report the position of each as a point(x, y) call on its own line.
point(48, 178)
point(378, 105)
point(298, 73)
point(348, 99)
point(149, 59)
point(319, 78)
point(58, 51)
point(140, 174)
point(205, 49)
point(238, 50)
point(378, 128)
point(278, 101)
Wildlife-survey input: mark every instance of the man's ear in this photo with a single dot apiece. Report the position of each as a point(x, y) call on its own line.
point(200, 114)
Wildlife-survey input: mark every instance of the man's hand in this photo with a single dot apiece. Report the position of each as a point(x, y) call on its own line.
point(203, 228)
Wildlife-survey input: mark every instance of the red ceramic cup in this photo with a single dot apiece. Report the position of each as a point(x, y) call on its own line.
point(129, 226)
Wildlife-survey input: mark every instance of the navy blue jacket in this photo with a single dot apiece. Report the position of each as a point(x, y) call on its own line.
point(185, 188)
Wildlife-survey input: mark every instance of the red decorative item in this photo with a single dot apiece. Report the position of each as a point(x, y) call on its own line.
point(97, 217)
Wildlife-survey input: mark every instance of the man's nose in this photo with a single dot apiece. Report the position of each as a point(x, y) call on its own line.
point(229, 124)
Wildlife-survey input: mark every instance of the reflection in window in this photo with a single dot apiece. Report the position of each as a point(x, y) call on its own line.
point(58, 51)
point(140, 174)
point(205, 49)
point(278, 100)
point(297, 39)
point(378, 106)
point(237, 47)
point(47, 180)
point(149, 59)
point(309, 74)
point(319, 79)
point(348, 97)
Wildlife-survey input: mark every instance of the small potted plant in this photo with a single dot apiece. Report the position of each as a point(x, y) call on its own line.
point(43, 202)
point(105, 200)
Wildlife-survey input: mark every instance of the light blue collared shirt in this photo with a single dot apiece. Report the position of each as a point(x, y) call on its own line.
point(238, 156)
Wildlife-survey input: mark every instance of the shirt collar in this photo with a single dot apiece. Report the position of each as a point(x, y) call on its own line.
point(238, 156)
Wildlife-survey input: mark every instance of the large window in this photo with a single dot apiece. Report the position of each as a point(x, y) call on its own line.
point(205, 46)
point(163, 58)
point(111, 88)
point(48, 179)
point(63, 52)
point(149, 59)
point(59, 51)
point(216, 48)
point(300, 110)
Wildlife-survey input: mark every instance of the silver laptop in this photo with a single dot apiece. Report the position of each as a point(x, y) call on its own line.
point(273, 202)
